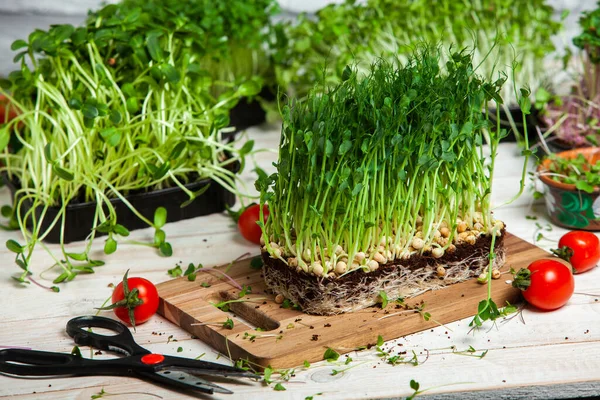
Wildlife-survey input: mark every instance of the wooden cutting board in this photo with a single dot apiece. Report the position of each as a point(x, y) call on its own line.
point(290, 337)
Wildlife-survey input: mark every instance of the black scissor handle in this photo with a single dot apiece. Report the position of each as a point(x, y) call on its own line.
point(122, 341)
point(25, 362)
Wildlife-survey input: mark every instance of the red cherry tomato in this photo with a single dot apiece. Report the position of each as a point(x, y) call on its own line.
point(585, 247)
point(12, 113)
point(247, 222)
point(147, 293)
point(551, 284)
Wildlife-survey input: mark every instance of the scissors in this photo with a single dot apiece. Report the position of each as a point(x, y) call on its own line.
point(138, 362)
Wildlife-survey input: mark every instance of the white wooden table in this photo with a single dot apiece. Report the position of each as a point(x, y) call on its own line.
point(525, 360)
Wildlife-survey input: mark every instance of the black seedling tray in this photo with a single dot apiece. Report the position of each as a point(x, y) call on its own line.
point(79, 217)
point(249, 113)
point(246, 114)
point(517, 117)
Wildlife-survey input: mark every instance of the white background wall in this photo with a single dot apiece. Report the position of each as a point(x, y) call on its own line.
point(19, 17)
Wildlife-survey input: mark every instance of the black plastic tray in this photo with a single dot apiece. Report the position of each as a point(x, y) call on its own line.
point(249, 113)
point(79, 217)
point(517, 117)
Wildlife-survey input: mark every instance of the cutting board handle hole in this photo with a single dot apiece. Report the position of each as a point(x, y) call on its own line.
point(248, 312)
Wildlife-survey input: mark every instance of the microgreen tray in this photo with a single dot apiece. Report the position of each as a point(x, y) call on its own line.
point(79, 217)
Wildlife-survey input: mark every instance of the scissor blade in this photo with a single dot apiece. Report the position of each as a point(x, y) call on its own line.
point(216, 371)
point(190, 380)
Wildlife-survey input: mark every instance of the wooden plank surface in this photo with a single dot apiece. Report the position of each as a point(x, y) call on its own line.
point(545, 355)
point(289, 337)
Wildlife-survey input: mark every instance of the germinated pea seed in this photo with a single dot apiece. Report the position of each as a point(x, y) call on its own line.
point(306, 254)
point(360, 256)
point(317, 269)
point(373, 265)
point(437, 252)
point(379, 258)
point(418, 243)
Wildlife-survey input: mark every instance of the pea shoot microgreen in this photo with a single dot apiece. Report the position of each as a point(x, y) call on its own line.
point(190, 272)
point(252, 337)
point(470, 352)
point(175, 271)
point(245, 290)
point(290, 305)
point(313, 396)
point(396, 358)
point(378, 155)
point(102, 394)
point(538, 234)
point(384, 298)
point(383, 28)
point(76, 352)
point(228, 324)
point(331, 355)
point(279, 387)
point(414, 385)
point(284, 374)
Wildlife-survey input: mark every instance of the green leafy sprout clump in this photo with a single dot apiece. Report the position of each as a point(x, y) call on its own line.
point(581, 171)
point(136, 99)
point(390, 163)
point(390, 28)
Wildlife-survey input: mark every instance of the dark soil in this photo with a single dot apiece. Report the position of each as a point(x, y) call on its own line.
point(359, 278)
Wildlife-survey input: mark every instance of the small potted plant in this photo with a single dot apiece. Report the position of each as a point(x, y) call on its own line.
point(572, 187)
point(572, 121)
point(117, 123)
point(381, 187)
